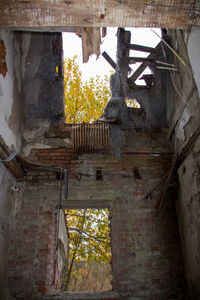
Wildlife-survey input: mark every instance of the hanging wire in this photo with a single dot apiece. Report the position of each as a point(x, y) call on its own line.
point(9, 158)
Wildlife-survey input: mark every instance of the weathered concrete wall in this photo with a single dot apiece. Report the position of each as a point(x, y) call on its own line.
point(146, 249)
point(42, 74)
point(184, 126)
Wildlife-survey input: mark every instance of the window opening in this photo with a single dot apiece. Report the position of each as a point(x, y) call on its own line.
point(99, 175)
point(132, 103)
point(136, 173)
point(89, 252)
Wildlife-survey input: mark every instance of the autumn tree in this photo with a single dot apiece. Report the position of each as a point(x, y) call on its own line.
point(89, 248)
point(84, 101)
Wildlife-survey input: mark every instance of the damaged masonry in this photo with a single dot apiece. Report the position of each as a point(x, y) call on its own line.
point(140, 164)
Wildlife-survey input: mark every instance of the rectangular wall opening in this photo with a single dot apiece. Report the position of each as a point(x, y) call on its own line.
point(85, 265)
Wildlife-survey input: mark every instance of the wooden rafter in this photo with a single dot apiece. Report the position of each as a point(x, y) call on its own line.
point(133, 60)
point(140, 48)
point(144, 65)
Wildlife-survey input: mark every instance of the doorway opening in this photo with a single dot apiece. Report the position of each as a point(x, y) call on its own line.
point(89, 251)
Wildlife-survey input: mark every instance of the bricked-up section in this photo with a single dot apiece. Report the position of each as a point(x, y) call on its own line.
point(146, 253)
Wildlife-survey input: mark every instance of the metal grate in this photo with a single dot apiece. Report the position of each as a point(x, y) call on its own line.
point(91, 138)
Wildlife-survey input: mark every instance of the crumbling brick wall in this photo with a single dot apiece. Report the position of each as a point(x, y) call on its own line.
point(146, 254)
point(32, 249)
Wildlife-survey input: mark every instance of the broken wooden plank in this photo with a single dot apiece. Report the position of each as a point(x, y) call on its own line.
point(91, 40)
point(109, 59)
point(133, 60)
point(140, 48)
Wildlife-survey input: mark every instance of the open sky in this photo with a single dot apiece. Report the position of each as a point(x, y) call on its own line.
point(72, 45)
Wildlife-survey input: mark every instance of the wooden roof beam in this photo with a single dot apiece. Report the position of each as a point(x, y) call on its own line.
point(99, 13)
point(143, 66)
point(133, 60)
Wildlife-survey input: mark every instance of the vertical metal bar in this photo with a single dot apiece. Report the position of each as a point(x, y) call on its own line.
point(74, 135)
point(108, 134)
point(83, 137)
point(86, 129)
point(79, 137)
point(101, 128)
point(98, 138)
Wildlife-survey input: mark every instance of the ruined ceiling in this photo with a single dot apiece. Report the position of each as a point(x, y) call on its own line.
point(98, 13)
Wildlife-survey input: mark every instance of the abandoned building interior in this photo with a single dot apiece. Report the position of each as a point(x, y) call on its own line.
point(142, 164)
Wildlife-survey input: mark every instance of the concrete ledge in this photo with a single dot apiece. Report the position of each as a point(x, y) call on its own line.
point(56, 295)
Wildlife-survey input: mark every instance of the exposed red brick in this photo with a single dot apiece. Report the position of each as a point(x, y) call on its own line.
point(3, 66)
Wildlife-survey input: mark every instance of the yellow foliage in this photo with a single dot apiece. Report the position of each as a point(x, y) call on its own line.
point(84, 102)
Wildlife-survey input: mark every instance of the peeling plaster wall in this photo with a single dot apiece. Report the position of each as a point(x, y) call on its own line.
point(184, 123)
point(188, 210)
point(31, 97)
point(10, 88)
point(193, 47)
point(11, 123)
